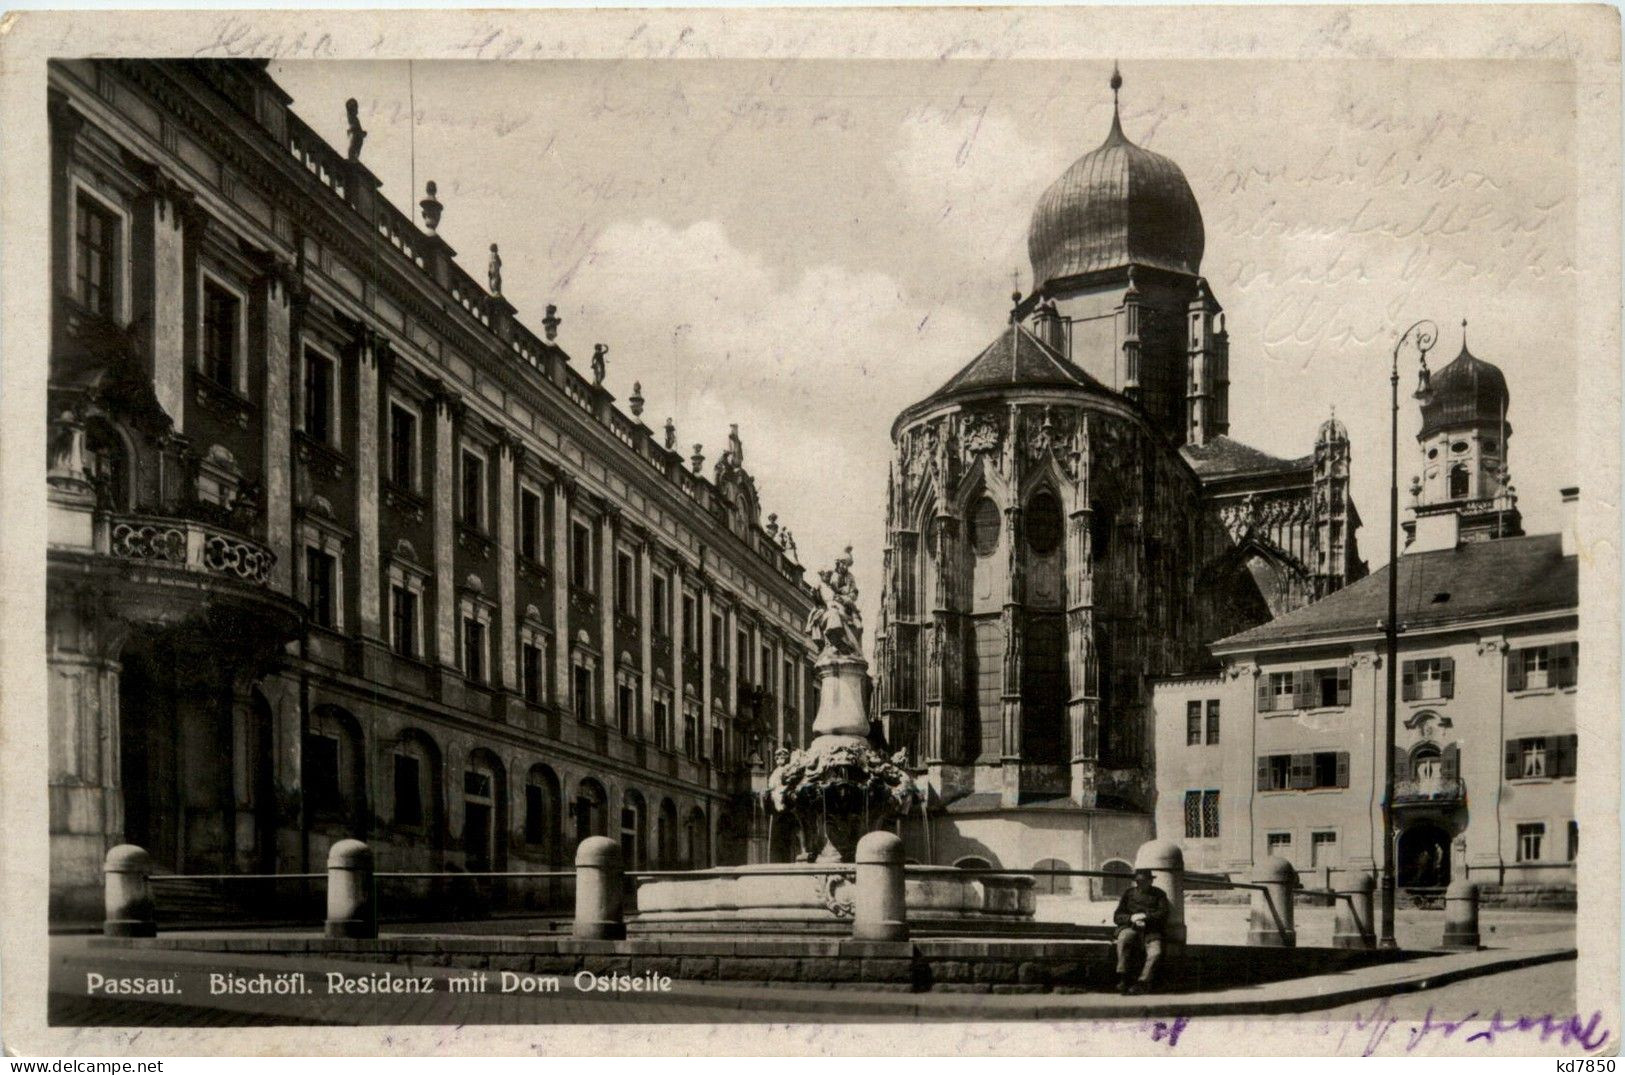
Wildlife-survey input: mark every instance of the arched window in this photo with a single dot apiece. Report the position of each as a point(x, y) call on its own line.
point(107, 462)
point(699, 840)
point(1122, 876)
point(591, 810)
point(666, 836)
point(634, 818)
point(542, 814)
point(973, 862)
point(333, 771)
point(1043, 523)
point(1051, 886)
point(1458, 481)
point(485, 822)
point(984, 527)
point(415, 791)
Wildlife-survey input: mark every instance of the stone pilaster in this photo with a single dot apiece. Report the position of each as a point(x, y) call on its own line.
point(367, 496)
point(706, 660)
point(646, 705)
point(679, 645)
point(947, 644)
point(1083, 705)
point(447, 410)
point(276, 294)
point(606, 614)
point(1014, 623)
point(779, 696)
point(559, 579)
point(730, 698)
point(509, 455)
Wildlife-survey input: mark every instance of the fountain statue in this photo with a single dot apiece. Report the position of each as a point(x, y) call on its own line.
point(840, 787)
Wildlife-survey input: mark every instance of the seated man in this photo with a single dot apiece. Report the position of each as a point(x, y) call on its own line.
point(1141, 916)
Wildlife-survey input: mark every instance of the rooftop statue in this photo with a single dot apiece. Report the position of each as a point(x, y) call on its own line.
point(352, 112)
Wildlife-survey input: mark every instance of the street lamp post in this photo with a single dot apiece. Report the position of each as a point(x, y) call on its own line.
point(1423, 334)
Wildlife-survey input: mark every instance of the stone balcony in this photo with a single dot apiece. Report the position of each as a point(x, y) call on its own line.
point(189, 546)
point(1435, 791)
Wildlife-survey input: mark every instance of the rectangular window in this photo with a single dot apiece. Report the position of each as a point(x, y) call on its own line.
point(1530, 837)
point(473, 490)
point(321, 590)
point(1536, 668)
point(1280, 772)
point(403, 447)
point(1574, 840)
point(1278, 843)
point(581, 693)
point(662, 723)
point(657, 604)
point(1322, 849)
point(320, 778)
point(1210, 815)
point(530, 525)
point(1534, 757)
point(580, 556)
point(626, 597)
point(691, 623)
point(719, 646)
point(530, 665)
point(1331, 686)
point(319, 395)
point(403, 615)
point(1212, 722)
point(691, 733)
point(408, 791)
point(742, 652)
point(96, 241)
point(1429, 679)
point(1193, 815)
point(626, 709)
point(222, 323)
point(473, 649)
point(1193, 724)
point(1283, 685)
point(1325, 772)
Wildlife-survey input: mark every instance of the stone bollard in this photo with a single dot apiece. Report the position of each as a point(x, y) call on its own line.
point(879, 911)
point(1461, 915)
point(127, 894)
point(352, 910)
point(1352, 925)
point(1279, 879)
point(599, 881)
point(1166, 861)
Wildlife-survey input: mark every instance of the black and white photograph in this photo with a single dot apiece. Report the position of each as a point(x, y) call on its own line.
point(1039, 531)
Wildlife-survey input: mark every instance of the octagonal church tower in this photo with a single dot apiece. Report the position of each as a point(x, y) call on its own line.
point(1068, 521)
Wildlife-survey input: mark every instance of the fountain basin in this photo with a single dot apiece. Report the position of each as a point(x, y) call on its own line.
point(805, 893)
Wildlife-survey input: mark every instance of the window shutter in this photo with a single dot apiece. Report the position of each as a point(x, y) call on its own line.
point(1266, 699)
point(1573, 754)
point(1447, 677)
point(1408, 687)
point(1302, 771)
point(1514, 749)
point(1263, 772)
point(1450, 762)
point(1402, 764)
point(1342, 768)
point(1303, 682)
point(1564, 655)
point(1344, 686)
point(1515, 678)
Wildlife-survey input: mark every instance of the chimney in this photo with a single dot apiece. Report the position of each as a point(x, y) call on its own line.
point(1435, 532)
point(1571, 520)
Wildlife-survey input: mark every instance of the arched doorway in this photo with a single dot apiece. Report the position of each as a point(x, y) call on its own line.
point(1122, 876)
point(485, 821)
point(666, 836)
point(1052, 886)
point(542, 816)
point(634, 823)
point(591, 810)
point(699, 840)
point(1424, 855)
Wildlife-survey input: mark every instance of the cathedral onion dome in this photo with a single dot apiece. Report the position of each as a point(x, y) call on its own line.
point(1467, 392)
point(1016, 359)
point(1117, 205)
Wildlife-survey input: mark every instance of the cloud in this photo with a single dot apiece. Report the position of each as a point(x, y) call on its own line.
point(812, 368)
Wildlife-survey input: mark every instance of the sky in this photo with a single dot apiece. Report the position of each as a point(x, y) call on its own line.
point(805, 247)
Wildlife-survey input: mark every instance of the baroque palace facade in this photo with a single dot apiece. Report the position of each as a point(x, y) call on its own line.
point(1069, 518)
point(340, 548)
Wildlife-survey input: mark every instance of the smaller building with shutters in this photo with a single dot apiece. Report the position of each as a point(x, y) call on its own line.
point(1282, 752)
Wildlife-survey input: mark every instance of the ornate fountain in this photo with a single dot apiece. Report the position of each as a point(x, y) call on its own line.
point(840, 787)
point(835, 791)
